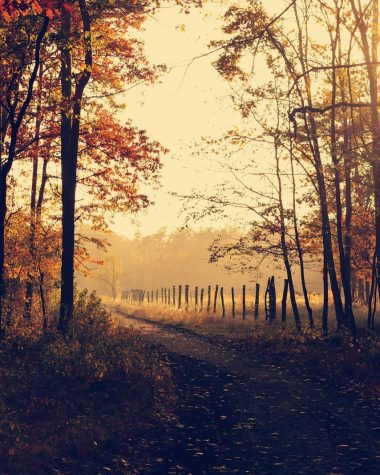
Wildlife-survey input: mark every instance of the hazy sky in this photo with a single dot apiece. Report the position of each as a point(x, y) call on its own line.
point(190, 102)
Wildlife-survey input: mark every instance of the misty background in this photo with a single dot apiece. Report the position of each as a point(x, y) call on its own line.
point(165, 258)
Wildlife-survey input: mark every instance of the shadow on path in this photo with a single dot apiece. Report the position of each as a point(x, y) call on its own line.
point(234, 415)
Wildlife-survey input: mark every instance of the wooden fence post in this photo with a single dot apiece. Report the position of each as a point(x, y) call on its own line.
point(222, 300)
point(187, 297)
point(162, 295)
point(173, 295)
point(244, 307)
point(179, 296)
point(215, 297)
point(202, 295)
point(272, 300)
point(208, 298)
point(169, 296)
point(165, 296)
point(233, 301)
point(257, 297)
point(196, 297)
point(266, 298)
point(284, 299)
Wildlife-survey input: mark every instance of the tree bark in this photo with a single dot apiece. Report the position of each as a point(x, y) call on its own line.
point(70, 131)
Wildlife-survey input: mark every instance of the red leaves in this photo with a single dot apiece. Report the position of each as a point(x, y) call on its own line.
point(68, 7)
point(11, 9)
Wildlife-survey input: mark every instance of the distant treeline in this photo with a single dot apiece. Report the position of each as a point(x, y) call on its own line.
point(182, 255)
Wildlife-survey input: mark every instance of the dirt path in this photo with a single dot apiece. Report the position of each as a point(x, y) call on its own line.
point(235, 415)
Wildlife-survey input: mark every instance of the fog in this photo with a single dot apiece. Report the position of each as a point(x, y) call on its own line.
point(165, 259)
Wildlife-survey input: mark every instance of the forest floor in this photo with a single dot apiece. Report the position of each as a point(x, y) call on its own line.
point(238, 410)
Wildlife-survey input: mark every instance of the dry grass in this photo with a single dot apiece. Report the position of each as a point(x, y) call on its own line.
point(213, 323)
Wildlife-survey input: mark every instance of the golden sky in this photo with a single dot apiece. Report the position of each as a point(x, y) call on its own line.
point(191, 101)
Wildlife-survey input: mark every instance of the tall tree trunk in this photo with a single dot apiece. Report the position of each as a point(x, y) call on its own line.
point(68, 177)
point(70, 132)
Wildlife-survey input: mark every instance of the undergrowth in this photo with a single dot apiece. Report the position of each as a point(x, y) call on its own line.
point(74, 405)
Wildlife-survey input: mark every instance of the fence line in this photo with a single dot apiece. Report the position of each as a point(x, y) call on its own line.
point(171, 297)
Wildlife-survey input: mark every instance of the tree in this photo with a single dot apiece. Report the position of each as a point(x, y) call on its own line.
point(14, 105)
point(70, 129)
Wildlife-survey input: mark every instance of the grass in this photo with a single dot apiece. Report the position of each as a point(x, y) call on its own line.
point(214, 323)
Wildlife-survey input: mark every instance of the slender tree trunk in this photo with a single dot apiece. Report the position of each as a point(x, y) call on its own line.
point(299, 247)
point(372, 293)
point(33, 201)
point(41, 192)
point(42, 299)
point(325, 309)
point(370, 53)
point(374, 307)
point(3, 213)
point(15, 119)
point(347, 163)
point(284, 245)
point(283, 303)
point(346, 284)
point(312, 135)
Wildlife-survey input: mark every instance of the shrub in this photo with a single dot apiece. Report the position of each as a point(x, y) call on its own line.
point(99, 350)
point(76, 400)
